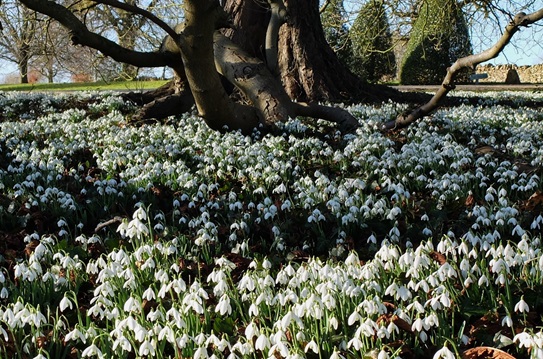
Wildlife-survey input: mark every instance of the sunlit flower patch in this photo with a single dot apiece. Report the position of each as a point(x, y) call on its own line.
point(174, 241)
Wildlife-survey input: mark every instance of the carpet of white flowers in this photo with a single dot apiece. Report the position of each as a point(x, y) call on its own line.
point(121, 240)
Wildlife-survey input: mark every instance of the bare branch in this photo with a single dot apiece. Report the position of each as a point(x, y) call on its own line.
point(520, 20)
point(324, 6)
point(137, 10)
point(80, 35)
point(103, 225)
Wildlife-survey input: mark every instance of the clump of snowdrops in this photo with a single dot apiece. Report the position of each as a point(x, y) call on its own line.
point(177, 241)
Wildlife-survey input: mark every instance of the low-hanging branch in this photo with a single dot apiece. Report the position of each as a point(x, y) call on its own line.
point(520, 20)
point(197, 52)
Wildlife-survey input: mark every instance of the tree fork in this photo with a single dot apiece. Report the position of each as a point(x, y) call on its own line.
point(521, 19)
point(80, 35)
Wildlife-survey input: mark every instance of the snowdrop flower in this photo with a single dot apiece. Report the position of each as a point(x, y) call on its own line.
point(444, 353)
point(91, 351)
point(524, 339)
point(507, 321)
point(483, 281)
point(75, 334)
point(123, 343)
point(355, 343)
point(224, 307)
point(253, 310)
point(4, 293)
point(336, 355)
point(334, 323)
point(147, 348)
point(149, 294)
point(311, 346)
point(353, 318)
point(40, 251)
point(65, 303)
point(201, 353)
point(251, 331)
point(140, 214)
point(4, 334)
point(132, 305)
point(522, 306)
point(262, 342)
point(266, 264)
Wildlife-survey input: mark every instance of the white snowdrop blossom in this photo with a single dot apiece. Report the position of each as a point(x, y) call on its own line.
point(522, 306)
point(444, 353)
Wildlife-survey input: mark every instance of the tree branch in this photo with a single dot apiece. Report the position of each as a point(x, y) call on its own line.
point(137, 10)
point(521, 19)
point(324, 6)
point(80, 35)
point(278, 18)
point(253, 78)
point(264, 90)
point(346, 122)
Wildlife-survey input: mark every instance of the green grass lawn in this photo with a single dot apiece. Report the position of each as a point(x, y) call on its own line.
point(93, 86)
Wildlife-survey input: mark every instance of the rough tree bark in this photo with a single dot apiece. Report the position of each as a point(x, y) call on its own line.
point(310, 70)
point(520, 20)
point(264, 91)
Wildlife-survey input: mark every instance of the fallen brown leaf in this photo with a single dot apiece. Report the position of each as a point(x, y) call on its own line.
point(535, 200)
point(470, 201)
point(438, 257)
point(486, 353)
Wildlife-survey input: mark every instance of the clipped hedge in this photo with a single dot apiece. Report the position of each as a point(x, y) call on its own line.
point(439, 36)
point(371, 39)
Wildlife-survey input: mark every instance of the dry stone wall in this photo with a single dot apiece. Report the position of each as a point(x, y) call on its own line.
point(498, 73)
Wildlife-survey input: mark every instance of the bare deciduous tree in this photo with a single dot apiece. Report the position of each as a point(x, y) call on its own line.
point(18, 35)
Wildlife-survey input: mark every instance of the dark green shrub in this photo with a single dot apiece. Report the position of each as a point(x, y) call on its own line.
point(439, 36)
point(372, 55)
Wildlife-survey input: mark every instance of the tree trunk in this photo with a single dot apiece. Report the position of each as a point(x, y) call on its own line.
point(196, 44)
point(249, 20)
point(23, 70)
point(310, 70)
point(308, 67)
point(27, 36)
point(23, 64)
